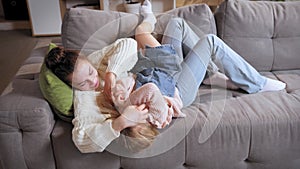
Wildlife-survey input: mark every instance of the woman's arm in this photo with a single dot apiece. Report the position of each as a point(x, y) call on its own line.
point(92, 131)
point(110, 82)
point(123, 57)
point(94, 134)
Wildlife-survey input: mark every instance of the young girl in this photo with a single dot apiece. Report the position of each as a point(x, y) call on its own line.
point(197, 56)
point(161, 106)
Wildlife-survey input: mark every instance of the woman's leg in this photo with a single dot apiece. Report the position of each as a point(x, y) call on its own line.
point(183, 38)
point(193, 71)
point(195, 63)
point(198, 58)
point(180, 35)
point(240, 71)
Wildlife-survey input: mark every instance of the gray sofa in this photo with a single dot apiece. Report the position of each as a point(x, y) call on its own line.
point(223, 128)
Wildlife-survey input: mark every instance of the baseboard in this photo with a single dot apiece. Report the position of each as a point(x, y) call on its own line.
point(14, 24)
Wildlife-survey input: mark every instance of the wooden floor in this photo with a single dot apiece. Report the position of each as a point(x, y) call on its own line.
point(15, 47)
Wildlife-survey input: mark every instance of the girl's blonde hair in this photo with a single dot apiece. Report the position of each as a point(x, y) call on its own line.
point(134, 138)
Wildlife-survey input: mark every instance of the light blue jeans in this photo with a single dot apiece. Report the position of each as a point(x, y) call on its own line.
point(207, 54)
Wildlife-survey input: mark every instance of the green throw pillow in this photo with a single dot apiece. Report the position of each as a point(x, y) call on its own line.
point(55, 91)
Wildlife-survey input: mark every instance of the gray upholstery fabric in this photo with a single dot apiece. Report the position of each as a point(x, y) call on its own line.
point(201, 22)
point(68, 156)
point(252, 134)
point(82, 31)
point(37, 55)
point(291, 78)
point(265, 33)
point(26, 123)
point(269, 141)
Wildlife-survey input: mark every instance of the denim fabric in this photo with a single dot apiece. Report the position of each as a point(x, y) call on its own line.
point(163, 80)
point(198, 53)
point(163, 57)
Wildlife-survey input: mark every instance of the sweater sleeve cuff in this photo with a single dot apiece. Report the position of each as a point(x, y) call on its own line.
point(107, 135)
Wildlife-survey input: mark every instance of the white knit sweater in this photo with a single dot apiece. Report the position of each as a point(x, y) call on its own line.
point(91, 132)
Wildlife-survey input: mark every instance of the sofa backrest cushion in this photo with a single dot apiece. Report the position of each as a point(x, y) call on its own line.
point(88, 30)
point(265, 33)
point(199, 17)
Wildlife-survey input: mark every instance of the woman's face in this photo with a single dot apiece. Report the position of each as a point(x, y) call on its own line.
point(85, 76)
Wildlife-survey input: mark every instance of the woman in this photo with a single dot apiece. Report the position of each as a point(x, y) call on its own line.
point(197, 57)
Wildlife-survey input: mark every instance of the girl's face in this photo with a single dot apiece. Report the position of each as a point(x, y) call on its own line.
point(85, 76)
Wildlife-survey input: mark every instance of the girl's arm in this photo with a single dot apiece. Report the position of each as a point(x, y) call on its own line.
point(123, 57)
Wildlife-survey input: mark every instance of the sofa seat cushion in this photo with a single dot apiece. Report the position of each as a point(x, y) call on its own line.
point(68, 156)
point(265, 33)
point(247, 127)
point(253, 129)
point(291, 78)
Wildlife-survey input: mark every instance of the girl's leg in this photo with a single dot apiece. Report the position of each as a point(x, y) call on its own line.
point(144, 37)
point(143, 31)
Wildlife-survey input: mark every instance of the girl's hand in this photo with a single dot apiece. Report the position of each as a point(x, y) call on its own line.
point(110, 82)
point(169, 117)
point(134, 115)
point(131, 116)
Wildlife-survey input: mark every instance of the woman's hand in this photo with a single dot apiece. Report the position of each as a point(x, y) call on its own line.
point(131, 116)
point(110, 82)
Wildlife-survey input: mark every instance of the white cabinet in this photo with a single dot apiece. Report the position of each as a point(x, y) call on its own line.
point(45, 17)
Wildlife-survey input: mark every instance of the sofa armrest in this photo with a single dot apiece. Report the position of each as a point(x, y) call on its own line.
point(26, 122)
